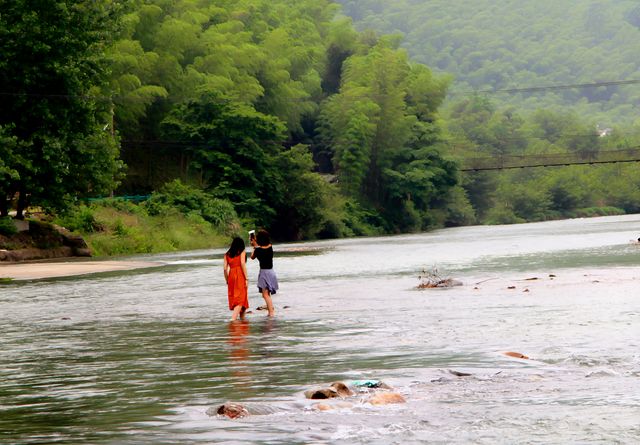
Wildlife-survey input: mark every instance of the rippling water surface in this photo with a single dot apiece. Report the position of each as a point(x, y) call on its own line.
point(138, 357)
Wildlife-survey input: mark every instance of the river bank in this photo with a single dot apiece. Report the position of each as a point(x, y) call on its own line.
point(106, 230)
point(27, 240)
point(37, 271)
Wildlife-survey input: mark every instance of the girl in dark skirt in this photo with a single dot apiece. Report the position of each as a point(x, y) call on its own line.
point(267, 279)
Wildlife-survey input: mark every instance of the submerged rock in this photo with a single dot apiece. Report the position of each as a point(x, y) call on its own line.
point(230, 410)
point(459, 374)
point(336, 389)
point(386, 398)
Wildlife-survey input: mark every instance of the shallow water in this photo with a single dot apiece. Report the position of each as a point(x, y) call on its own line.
point(138, 357)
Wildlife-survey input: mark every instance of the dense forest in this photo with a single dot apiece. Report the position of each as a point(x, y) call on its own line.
point(248, 100)
point(536, 78)
point(284, 114)
point(505, 45)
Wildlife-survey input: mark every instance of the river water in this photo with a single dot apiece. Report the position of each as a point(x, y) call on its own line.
point(139, 357)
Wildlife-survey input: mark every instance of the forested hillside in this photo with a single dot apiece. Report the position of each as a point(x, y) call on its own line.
point(277, 107)
point(488, 47)
point(508, 44)
point(281, 114)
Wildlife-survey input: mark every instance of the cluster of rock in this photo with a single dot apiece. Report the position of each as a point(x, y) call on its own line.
point(36, 241)
point(373, 392)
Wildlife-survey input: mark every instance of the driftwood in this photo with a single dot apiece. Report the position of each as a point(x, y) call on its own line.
point(432, 279)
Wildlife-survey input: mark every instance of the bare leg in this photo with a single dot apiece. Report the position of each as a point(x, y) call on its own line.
point(242, 312)
point(267, 299)
point(236, 312)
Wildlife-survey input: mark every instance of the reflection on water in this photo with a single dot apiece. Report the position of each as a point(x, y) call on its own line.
point(139, 357)
point(239, 354)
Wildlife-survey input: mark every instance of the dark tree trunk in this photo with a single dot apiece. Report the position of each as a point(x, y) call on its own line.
point(22, 204)
point(4, 206)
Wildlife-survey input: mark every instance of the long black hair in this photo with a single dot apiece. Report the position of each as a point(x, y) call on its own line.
point(237, 247)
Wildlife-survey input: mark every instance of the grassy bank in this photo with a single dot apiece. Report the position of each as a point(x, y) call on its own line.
point(123, 232)
point(177, 218)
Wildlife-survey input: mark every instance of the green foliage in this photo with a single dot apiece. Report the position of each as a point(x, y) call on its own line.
point(598, 211)
point(52, 68)
point(348, 127)
point(360, 220)
point(120, 204)
point(301, 196)
point(7, 227)
point(117, 227)
point(381, 130)
point(249, 100)
point(619, 186)
point(8, 156)
point(232, 145)
point(244, 93)
point(162, 233)
point(568, 190)
point(526, 203)
point(502, 214)
point(477, 128)
point(80, 219)
point(502, 45)
point(189, 201)
point(460, 212)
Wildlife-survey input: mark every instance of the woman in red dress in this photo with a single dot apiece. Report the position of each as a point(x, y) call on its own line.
point(235, 274)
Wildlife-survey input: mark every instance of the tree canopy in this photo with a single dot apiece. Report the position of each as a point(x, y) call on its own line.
point(53, 117)
point(285, 112)
point(489, 45)
point(244, 96)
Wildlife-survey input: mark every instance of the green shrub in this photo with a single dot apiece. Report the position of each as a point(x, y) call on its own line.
point(333, 228)
point(502, 214)
point(120, 204)
point(459, 211)
point(80, 219)
point(187, 200)
point(408, 219)
point(598, 211)
point(362, 221)
point(7, 227)
point(119, 228)
point(126, 233)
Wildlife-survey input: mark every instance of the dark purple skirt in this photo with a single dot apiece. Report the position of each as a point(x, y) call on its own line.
point(267, 279)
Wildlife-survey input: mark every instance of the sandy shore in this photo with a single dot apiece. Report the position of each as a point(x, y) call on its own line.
point(36, 271)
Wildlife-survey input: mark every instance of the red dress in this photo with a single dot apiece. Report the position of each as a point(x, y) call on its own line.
point(237, 284)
